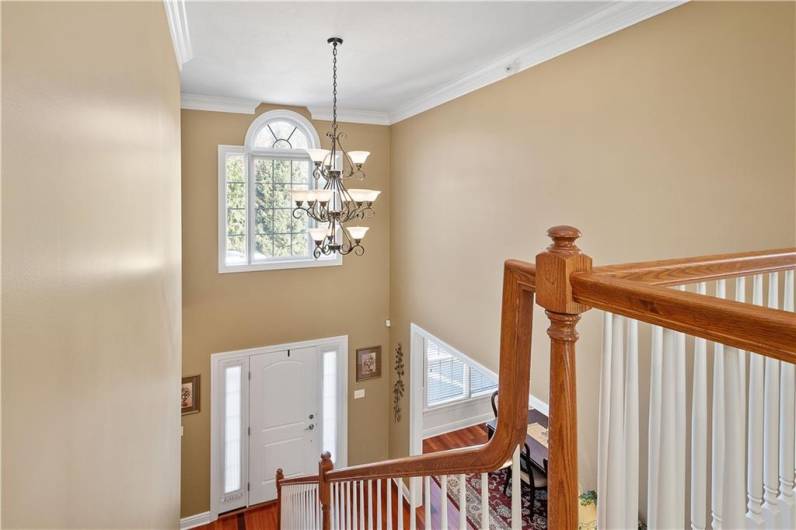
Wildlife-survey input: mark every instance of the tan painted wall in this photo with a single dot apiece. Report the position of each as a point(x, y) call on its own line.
point(673, 137)
point(91, 267)
point(224, 312)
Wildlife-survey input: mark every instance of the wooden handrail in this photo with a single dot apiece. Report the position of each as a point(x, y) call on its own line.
point(702, 268)
point(519, 284)
point(303, 479)
point(763, 330)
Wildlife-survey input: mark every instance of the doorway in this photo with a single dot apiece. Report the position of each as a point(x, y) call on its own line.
point(272, 407)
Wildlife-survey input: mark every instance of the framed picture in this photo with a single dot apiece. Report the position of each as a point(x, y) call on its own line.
point(189, 396)
point(368, 363)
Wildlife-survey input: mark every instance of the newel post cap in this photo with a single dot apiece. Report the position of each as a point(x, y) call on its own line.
point(326, 463)
point(563, 237)
point(554, 267)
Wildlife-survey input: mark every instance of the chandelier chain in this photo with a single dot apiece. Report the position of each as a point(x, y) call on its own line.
point(334, 89)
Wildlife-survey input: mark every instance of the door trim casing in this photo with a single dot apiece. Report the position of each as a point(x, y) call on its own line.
point(340, 343)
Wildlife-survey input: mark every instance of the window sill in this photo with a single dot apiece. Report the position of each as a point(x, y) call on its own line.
point(458, 402)
point(281, 265)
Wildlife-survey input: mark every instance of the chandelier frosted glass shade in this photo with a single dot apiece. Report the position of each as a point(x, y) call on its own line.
point(333, 207)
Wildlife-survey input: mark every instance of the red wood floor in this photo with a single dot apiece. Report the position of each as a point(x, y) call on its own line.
point(264, 517)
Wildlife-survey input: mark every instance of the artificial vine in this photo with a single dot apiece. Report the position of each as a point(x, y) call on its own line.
point(398, 387)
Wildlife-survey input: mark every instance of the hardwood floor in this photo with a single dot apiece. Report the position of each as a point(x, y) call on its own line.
point(264, 517)
point(261, 517)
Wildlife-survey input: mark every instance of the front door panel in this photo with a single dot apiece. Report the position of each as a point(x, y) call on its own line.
point(284, 412)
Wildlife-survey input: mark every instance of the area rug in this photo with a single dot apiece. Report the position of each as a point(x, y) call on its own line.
point(499, 504)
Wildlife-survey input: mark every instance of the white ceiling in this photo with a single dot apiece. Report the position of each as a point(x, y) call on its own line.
point(398, 58)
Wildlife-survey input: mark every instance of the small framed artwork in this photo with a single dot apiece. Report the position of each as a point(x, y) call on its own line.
point(368, 363)
point(189, 396)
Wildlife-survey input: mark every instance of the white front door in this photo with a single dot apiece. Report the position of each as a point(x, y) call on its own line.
point(284, 413)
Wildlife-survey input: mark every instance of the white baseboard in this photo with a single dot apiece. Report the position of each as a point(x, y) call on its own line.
point(193, 521)
point(539, 405)
point(456, 425)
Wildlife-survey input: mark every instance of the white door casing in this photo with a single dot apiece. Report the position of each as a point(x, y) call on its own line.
point(252, 473)
point(284, 413)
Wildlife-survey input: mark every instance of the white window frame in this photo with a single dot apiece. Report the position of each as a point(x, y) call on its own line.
point(250, 153)
point(219, 361)
point(468, 363)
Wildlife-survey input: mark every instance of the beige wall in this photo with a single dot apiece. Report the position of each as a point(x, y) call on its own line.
point(91, 267)
point(673, 137)
point(224, 312)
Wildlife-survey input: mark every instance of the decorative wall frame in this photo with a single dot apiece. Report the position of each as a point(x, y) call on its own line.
point(190, 396)
point(368, 363)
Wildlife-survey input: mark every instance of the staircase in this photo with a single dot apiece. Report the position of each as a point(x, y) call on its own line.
point(565, 284)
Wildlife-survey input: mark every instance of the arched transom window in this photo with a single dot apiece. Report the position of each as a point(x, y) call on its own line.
point(281, 134)
point(257, 229)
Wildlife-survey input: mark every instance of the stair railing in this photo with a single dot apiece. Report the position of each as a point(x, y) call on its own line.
point(719, 333)
point(565, 285)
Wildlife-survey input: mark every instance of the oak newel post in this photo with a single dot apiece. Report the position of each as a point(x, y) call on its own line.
point(279, 476)
point(554, 293)
point(324, 490)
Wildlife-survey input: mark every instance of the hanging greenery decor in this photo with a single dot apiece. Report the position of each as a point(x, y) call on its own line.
point(398, 387)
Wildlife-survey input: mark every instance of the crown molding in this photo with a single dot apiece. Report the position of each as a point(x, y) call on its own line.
point(589, 29)
point(178, 28)
point(370, 117)
point(218, 103)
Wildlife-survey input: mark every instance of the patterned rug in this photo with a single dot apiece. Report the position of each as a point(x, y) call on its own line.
point(499, 504)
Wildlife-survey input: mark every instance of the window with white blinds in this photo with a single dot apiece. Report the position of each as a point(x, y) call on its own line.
point(451, 377)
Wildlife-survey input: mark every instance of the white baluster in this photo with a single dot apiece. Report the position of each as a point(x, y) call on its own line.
point(361, 505)
point(681, 422)
point(484, 501)
point(310, 507)
point(412, 503)
point(399, 507)
point(667, 424)
point(771, 420)
point(427, 502)
point(605, 465)
point(631, 425)
point(389, 504)
point(729, 428)
point(348, 506)
point(302, 508)
point(378, 504)
point(754, 477)
point(333, 496)
point(612, 471)
point(370, 505)
point(293, 511)
point(699, 434)
point(355, 506)
point(516, 491)
point(443, 503)
point(787, 414)
point(654, 485)
point(462, 503)
point(297, 505)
